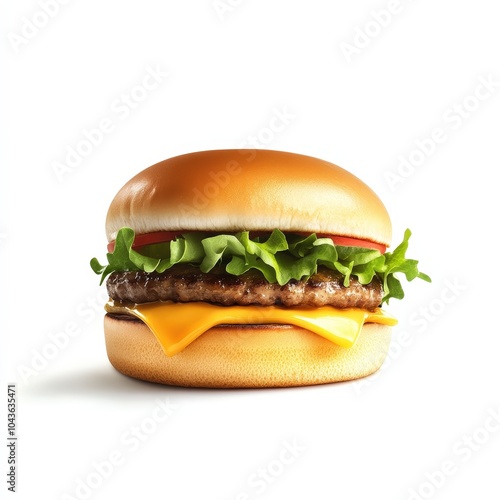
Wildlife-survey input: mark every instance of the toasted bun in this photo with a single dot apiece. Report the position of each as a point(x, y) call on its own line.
point(245, 356)
point(248, 189)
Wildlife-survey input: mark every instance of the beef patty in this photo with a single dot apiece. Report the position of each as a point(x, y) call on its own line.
point(185, 283)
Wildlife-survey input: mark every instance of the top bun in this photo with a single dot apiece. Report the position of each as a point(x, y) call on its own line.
point(249, 189)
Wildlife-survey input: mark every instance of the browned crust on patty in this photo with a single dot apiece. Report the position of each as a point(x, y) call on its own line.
point(185, 283)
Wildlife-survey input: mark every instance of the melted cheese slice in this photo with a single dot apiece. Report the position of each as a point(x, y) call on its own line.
point(176, 325)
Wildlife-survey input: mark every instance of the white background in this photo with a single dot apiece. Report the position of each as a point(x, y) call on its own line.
point(361, 101)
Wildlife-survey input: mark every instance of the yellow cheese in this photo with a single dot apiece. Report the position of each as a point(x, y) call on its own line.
point(176, 325)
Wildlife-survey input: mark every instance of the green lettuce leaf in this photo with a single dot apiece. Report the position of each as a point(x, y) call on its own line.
point(279, 258)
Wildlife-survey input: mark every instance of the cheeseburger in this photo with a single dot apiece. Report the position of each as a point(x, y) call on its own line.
point(249, 268)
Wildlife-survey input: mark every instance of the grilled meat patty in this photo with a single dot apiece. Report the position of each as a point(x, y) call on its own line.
point(185, 283)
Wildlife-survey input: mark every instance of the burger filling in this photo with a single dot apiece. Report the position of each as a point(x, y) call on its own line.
point(186, 283)
point(242, 268)
point(183, 286)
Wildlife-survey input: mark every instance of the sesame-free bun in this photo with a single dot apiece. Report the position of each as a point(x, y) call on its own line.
point(245, 356)
point(248, 189)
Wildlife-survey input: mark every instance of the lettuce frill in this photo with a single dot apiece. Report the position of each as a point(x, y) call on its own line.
point(279, 257)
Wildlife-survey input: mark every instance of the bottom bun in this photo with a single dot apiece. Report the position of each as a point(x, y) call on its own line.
point(245, 356)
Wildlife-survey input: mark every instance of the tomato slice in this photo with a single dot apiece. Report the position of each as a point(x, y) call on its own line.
point(345, 241)
point(142, 240)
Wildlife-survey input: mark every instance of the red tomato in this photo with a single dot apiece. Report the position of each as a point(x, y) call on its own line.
point(142, 240)
point(347, 241)
point(344, 241)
